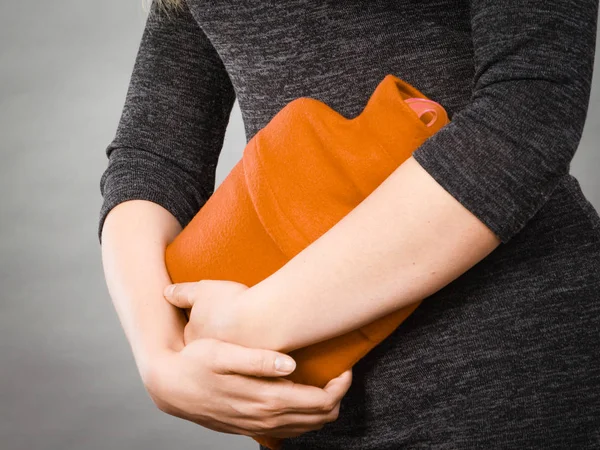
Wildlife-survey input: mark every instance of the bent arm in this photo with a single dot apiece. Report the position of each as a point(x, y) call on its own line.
point(405, 241)
point(473, 185)
point(134, 238)
point(173, 123)
point(161, 170)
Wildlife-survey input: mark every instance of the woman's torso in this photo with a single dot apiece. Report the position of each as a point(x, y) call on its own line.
point(337, 52)
point(506, 355)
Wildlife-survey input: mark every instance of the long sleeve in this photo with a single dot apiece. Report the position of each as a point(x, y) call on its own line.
point(173, 122)
point(504, 153)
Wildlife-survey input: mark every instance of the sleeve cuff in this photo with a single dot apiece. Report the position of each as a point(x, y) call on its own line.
point(136, 175)
point(476, 188)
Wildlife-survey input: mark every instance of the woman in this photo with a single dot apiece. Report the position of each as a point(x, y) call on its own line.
point(484, 221)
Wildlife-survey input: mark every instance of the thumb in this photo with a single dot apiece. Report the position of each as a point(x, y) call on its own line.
point(236, 359)
point(181, 294)
point(339, 385)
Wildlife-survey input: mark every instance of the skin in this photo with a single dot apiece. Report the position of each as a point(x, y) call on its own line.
point(217, 370)
point(405, 241)
point(222, 386)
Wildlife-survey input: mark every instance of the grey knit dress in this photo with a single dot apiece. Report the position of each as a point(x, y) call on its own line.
point(508, 354)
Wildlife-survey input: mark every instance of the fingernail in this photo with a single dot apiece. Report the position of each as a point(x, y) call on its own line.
point(284, 364)
point(169, 290)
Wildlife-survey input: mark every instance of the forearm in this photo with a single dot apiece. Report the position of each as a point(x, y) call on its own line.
point(405, 241)
point(134, 237)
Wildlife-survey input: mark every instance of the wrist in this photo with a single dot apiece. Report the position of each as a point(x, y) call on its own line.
point(250, 322)
point(227, 321)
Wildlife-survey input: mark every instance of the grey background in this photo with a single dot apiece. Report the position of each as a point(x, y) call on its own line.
point(67, 377)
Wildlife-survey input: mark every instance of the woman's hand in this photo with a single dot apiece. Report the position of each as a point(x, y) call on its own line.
point(233, 389)
point(211, 306)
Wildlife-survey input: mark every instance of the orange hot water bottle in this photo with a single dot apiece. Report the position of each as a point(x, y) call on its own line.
point(298, 176)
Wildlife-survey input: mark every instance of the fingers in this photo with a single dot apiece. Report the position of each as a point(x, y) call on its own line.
point(285, 396)
point(292, 425)
point(184, 295)
point(181, 294)
point(309, 399)
point(236, 359)
point(338, 386)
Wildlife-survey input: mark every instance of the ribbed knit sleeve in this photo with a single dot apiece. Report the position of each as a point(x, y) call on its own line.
point(173, 122)
point(504, 153)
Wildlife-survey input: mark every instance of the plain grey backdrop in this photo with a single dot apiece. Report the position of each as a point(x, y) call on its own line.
point(67, 377)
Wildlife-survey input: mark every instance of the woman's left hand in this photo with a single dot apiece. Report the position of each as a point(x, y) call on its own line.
point(212, 304)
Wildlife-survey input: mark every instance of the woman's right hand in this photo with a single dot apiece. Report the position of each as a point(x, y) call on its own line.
point(219, 385)
point(234, 389)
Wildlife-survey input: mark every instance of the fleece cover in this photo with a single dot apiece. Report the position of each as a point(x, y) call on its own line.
point(298, 176)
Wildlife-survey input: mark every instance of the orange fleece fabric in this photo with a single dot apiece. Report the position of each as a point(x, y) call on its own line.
point(298, 176)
